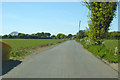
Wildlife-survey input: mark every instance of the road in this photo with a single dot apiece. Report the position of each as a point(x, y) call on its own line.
point(66, 60)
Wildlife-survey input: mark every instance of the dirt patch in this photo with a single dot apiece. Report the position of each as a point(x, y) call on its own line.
point(113, 65)
point(43, 46)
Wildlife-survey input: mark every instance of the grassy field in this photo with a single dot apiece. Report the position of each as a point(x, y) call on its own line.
point(23, 47)
point(104, 52)
point(112, 44)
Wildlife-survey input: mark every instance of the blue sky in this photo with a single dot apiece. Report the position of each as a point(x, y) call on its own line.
point(53, 17)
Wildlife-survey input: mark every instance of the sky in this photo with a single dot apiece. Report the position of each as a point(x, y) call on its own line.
point(53, 17)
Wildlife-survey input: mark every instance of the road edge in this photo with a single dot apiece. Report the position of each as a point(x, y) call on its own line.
point(105, 61)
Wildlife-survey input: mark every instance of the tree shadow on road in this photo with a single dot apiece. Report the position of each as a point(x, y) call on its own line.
point(9, 65)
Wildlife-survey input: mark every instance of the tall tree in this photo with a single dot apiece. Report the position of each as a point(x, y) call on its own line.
point(101, 15)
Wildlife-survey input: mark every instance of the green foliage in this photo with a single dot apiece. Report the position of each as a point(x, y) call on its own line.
point(42, 35)
point(101, 15)
point(15, 35)
point(102, 52)
point(53, 37)
point(69, 36)
point(81, 34)
point(112, 44)
point(61, 36)
point(113, 35)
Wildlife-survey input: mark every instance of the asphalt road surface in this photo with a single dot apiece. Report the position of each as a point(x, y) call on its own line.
point(66, 60)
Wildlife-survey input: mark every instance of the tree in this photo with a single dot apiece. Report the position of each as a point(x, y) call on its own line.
point(61, 36)
point(42, 35)
point(47, 35)
point(101, 16)
point(53, 37)
point(0, 36)
point(113, 35)
point(38, 35)
point(5, 36)
point(69, 36)
point(15, 33)
point(10, 36)
point(81, 34)
point(58, 36)
point(21, 35)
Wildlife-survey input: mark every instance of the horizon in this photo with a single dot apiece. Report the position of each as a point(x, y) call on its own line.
point(52, 17)
point(47, 32)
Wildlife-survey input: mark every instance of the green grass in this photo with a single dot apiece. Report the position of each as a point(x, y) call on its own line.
point(112, 44)
point(103, 52)
point(23, 47)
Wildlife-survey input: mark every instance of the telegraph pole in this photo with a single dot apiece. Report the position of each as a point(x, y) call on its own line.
point(79, 24)
point(79, 28)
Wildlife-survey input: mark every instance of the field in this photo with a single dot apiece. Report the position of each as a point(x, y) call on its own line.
point(23, 47)
point(111, 44)
point(106, 51)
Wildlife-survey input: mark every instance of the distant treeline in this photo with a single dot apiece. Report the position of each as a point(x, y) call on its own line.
point(109, 35)
point(113, 35)
point(81, 34)
point(42, 35)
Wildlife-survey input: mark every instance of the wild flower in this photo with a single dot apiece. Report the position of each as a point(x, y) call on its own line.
point(116, 49)
point(115, 54)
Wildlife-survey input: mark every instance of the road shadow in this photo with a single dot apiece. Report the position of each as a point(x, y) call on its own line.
point(9, 65)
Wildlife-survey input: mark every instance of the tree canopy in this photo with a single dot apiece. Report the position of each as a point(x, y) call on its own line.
point(38, 35)
point(101, 15)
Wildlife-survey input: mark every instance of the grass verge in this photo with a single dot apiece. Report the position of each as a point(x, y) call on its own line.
point(102, 52)
point(24, 47)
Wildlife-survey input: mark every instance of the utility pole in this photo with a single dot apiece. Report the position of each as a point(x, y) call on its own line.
point(79, 28)
point(79, 25)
